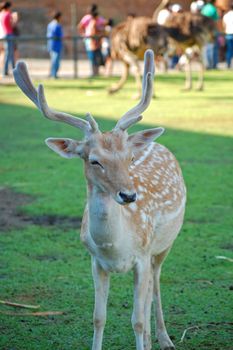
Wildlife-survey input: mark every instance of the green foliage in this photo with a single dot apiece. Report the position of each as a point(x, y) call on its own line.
point(49, 266)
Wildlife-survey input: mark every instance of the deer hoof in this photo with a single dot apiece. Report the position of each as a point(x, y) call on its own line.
point(112, 90)
point(187, 88)
point(165, 342)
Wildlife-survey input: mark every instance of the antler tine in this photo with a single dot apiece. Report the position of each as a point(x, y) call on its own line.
point(24, 82)
point(60, 116)
point(92, 122)
point(149, 67)
point(133, 115)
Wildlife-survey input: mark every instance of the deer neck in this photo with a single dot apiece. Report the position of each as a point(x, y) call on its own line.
point(105, 217)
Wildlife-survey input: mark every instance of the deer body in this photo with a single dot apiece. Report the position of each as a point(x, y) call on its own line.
point(119, 236)
point(135, 204)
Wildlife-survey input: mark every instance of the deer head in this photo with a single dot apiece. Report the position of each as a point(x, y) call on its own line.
point(107, 156)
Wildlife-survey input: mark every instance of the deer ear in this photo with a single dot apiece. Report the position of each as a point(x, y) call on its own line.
point(141, 139)
point(66, 148)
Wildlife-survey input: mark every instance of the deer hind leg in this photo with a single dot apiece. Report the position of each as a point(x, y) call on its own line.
point(141, 283)
point(188, 75)
point(163, 337)
point(200, 84)
point(101, 282)
point(116, 87)
point(129, 60)
point(147, 314)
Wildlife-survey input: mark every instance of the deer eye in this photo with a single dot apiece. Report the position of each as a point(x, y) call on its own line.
point(95, 162)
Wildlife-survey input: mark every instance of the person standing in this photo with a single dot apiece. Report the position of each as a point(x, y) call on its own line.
point(211, 49)
point(16, 33)
point(55, 45)
point(228, 28)
point(1, 42)
point(92, 24)
point(106, 48)
point(7, 29)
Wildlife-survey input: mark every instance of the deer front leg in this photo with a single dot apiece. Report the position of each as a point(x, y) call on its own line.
point(147, 314)
point(141, 282)
point(200, 85)
point(101, 283)
point(163, 337)
point(116, 87)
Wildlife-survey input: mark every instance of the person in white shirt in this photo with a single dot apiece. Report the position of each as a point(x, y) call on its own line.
point(196, 6)
point(164, 15)
point(228, 28)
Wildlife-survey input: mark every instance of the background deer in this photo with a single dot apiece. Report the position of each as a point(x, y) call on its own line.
point(135, 205)
point(186, 32)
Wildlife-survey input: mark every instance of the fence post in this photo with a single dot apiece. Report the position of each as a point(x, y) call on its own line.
point(73, 8)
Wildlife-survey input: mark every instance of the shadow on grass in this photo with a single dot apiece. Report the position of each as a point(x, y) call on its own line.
point(208, 154)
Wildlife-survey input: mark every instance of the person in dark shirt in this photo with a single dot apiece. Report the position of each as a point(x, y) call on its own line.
point(211, 49)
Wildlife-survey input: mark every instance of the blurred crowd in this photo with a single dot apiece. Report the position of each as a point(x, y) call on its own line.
point(223, 37)
point(96, 31)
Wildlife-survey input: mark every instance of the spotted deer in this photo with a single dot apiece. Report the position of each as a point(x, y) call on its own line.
point(135, 204)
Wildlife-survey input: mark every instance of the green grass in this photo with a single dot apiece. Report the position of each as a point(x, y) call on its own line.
point(49, 266)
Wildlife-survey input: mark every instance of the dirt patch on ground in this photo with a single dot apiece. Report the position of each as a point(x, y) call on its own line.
point(12, 215)
point(227, 246)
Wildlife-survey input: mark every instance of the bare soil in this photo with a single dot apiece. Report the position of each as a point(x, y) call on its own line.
point(12, 215)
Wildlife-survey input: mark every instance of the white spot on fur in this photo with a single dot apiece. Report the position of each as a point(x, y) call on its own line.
point(140, 196)
point(141, 179)
point(145, 154)
point(133, 206)
point(143, 217)
point(167, 202)
point(154, 182)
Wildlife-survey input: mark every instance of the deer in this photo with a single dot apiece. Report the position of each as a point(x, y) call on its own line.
point(186, 32)
point(135, 204)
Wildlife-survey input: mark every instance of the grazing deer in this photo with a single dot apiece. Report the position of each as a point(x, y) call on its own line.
point(135, 205)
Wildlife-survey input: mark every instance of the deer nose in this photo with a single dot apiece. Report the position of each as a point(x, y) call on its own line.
point(128, 198)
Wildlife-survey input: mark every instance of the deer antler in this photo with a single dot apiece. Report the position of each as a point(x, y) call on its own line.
point(133, 115)
point(23, 80)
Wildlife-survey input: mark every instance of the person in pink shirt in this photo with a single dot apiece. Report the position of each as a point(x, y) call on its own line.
point(83, 24)
point(90, 25)
point(7, 28)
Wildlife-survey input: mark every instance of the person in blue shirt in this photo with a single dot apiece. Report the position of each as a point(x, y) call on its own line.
point(212, 48)
point(54, 43)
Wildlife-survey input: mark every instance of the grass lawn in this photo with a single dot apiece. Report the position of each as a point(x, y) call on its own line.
point(42, 261)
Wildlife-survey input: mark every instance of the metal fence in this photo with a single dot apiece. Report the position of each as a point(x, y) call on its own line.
point(31, 46)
